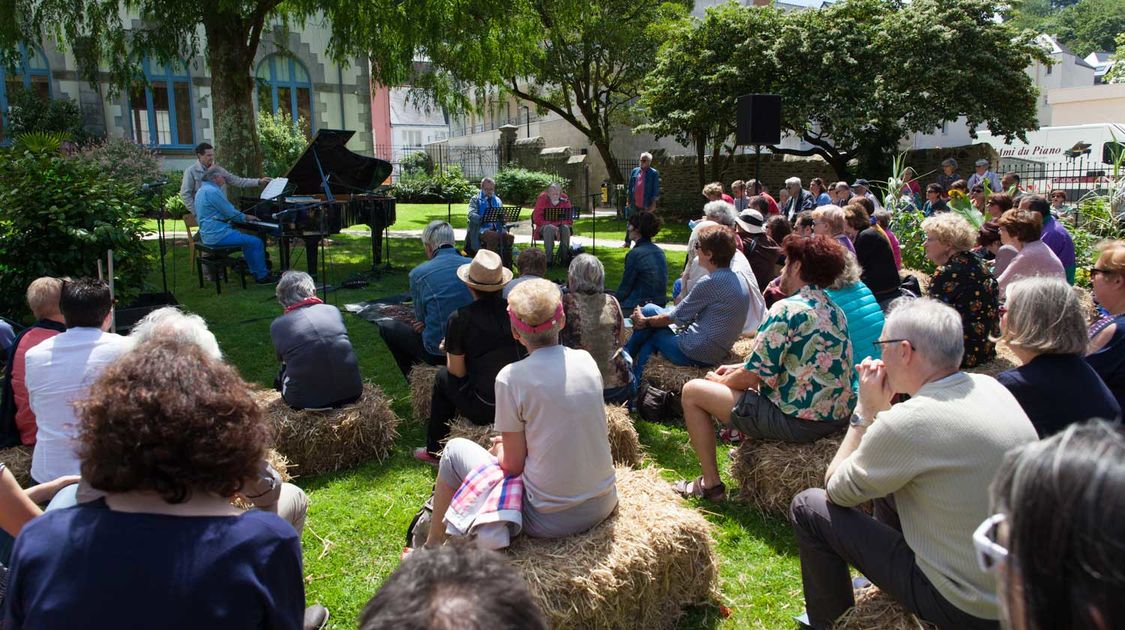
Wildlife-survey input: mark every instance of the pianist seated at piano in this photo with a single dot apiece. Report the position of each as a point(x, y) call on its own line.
point(214, 213)
point(319, 368)
point(546, 220)
point(492, 234)
point(436, 291)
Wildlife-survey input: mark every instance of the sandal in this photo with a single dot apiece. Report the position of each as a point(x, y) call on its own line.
point(693, 488)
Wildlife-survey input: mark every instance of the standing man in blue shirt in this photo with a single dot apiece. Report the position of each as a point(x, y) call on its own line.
point(436, 292)
point(215, 212)
point(643, 190)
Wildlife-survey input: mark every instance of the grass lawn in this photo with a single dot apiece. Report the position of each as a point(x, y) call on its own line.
point(357, 520)
point(415, 216)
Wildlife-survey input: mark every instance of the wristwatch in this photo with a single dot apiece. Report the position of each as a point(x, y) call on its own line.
point(859, 421)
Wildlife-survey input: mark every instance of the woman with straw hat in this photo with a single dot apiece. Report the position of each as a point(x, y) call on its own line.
point(478, 343)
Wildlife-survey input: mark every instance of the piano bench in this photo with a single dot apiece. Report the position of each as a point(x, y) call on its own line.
point(219, 259)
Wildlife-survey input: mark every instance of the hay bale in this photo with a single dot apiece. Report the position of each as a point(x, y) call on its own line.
point(1086, 300)
point(637, 569)
point(742, 348)
point(280, 463)
point(421, 381)
point(324, 441)
point(770, 473)
point(624, 444)
point(17, 459)
point(1005, 360)
point(875, 610)
point(666, 375)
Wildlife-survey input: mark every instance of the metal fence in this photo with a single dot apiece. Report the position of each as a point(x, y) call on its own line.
point(475, 161)
point(1077, 177)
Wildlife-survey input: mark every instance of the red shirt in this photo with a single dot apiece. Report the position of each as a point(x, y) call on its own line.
point(25, 419)
point(772, 203)
point(639, 191)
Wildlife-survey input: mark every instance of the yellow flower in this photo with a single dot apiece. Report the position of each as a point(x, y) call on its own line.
point(956, 194)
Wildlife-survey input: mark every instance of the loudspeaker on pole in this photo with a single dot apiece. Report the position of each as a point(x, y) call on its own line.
point(759, 119)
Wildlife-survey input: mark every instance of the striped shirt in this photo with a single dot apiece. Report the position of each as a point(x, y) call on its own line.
point(711, 316)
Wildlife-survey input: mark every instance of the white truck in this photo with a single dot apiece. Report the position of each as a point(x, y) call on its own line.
point(1076, 158)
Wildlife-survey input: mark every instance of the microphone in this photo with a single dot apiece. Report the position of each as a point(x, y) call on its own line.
point(160, 183)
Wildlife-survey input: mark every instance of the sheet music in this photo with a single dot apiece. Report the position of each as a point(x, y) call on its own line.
point(275, 187)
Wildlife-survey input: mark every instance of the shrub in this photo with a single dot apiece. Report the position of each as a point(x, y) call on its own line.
point(59, 216)
point(282, 141)
point(907, 226)
point(124, 161)
point(417, 187)
point(519, 186)
point(30, 112)
point(418, 162)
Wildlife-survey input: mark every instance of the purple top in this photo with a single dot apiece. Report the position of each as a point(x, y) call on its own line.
point(1058, 239)
point(845, 241)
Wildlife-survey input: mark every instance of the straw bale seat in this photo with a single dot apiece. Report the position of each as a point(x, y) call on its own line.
point(17, 459)
point(316, 442)
point(421, 381)
point(663, 374)
point(637, 569)
point(875, 610)
point(1005, 360)
point(770, 473)
point(624, 444)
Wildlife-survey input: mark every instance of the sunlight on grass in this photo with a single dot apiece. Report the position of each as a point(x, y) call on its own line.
point(357, 520)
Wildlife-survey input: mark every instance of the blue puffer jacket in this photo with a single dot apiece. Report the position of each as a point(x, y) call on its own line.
point(865, 319)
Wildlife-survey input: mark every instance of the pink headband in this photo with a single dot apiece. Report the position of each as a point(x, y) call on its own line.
point(531, 330)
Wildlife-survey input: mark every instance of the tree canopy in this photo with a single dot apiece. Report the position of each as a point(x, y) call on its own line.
point(857, 77)
point(1084, 26)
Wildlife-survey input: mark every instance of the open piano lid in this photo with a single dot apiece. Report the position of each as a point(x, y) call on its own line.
point(347, 172)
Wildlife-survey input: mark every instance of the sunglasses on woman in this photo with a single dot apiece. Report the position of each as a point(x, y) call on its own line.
point(990, 554)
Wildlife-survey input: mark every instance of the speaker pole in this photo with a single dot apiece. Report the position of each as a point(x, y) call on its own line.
point(757, 168)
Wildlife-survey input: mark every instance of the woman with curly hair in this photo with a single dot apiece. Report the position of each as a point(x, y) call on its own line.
point(963, 282)
point(168, 434)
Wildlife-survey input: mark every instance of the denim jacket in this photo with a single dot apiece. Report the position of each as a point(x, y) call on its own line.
point(645, 278)
point(437, 292)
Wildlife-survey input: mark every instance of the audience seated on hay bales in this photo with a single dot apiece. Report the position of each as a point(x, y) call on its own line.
point(595, 323)
point(721, 213)
point(436, 292)
point(711, 317)
point(962, 282)
point(551, 417)
point(532, 263)
point(454, 586)
point(862, 313)
point(318, 366)
point(1107, 347)
point(17, 420)
point(1043, 325)
point(1021, 229)
point(926, 463)
point(1055, 541)
point(150, 441)
point(796, 384)
point(645, 278)
point(831, 221)
point(478, 345)
point(61, 368)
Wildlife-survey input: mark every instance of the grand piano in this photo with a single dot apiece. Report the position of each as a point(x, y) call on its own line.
point(330, 188)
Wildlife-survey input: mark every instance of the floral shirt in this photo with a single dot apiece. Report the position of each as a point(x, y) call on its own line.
point(965, 284)
point(804, 358)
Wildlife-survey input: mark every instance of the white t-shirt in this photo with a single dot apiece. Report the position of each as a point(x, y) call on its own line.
point(59, 371)
point(554, 397)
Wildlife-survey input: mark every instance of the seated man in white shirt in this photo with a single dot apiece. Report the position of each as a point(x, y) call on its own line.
point(60, 369)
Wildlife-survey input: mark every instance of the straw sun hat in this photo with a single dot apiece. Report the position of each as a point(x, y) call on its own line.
point(486, 272)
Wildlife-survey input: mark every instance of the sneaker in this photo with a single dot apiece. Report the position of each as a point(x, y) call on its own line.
point(422, 455)
point(316, 617)
point(731, 436)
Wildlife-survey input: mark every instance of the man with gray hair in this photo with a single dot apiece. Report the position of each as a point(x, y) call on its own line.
point(479, 205)
point(799, 198)
point(318, 366)
point(214, 212)
point(436, 292)
point(643, 189)
point(927, 464)
point(193, 176)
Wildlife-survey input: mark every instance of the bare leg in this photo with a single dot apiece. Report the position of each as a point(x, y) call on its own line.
point(702, 399)
point(443, 495)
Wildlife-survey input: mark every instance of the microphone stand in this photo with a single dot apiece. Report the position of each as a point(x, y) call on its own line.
point(156, 189)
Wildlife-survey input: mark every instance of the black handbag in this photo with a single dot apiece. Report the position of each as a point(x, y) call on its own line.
point(654, 404)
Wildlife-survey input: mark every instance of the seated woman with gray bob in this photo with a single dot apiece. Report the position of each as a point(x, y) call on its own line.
point(318, 366)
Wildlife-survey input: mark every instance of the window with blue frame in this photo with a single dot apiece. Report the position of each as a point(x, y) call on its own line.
point(284, 86)
point(32, 74)
point(161, 112)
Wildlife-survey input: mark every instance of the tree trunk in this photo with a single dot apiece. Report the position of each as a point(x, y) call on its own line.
point(230, 59)
point(610, 160)
point(700, 159)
